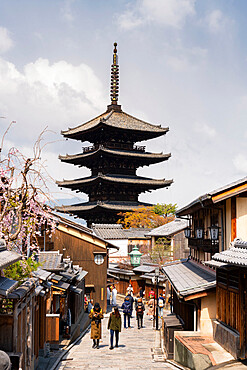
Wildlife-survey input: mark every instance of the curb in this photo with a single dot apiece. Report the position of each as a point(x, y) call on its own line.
point(65, 351)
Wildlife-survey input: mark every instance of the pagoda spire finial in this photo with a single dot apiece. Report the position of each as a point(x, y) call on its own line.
point(114, 82)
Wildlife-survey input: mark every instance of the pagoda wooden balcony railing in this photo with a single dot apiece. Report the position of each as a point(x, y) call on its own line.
point(137, 148)
point(205, 245)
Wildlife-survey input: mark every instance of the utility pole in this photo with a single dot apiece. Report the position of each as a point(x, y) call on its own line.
point(157, 273)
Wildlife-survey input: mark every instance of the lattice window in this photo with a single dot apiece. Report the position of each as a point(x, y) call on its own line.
point(6, 306)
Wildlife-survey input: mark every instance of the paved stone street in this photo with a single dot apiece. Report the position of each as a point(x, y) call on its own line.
point(135, 350)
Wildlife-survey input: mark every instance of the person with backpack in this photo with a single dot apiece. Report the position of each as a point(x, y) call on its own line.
point(114, 324)
point(139, 312)
point(126, 307)
point(161, 303)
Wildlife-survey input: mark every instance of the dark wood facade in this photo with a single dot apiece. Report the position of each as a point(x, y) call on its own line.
point(113, 160)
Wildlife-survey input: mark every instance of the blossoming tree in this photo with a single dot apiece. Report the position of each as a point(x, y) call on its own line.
point(23, 197)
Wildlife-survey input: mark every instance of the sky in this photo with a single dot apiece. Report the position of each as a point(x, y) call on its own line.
point(182, 64)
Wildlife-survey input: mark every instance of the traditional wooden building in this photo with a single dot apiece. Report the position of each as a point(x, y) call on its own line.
point(173, 232)
point(113, 159)
point(230, 328)
point(208, 302)
point(85, 249)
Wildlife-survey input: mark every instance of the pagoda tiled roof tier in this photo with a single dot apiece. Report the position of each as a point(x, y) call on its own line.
point(92, 153)
point(117, 122)
point(121, 206)
point(101, 211)
point(138, 181)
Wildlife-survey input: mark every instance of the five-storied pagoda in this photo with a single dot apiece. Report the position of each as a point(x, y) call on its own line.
point(113, 158)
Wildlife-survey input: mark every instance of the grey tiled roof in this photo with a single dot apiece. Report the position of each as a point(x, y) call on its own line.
point(171, 228)
point(51, 261)
point(120, 120)
point(109, 231)
point(42, 274)
point(8, 257)
point(235, 255)
point(137, 233)
point(144, 268)
point(116, 152)
point(117, 179)
point(7, 285)
point(189, 278)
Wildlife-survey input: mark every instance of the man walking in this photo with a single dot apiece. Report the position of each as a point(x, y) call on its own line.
point(139, 312)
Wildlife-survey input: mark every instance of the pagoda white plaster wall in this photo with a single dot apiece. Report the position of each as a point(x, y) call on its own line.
point(241, 206)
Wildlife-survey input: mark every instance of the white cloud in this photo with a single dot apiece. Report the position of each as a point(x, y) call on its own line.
point(216, 21)
point(55, 94)
point(171, 13)
point(206, 130)
point(240, 163)
point(6, 42)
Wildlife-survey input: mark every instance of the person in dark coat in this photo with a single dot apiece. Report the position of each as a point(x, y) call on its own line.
point(126, 307)
point(96, 315)
point(114, 324)
point(131, 299)
point(139, 312)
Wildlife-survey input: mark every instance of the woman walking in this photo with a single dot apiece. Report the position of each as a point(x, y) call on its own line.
point(126, 307)
point(96, 315)
point(114, 324)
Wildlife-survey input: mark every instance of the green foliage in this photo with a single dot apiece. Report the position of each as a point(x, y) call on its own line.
point(161, 251)
point(165, 209)
point(21, 270)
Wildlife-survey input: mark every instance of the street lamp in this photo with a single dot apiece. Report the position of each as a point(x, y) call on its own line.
point(135, 257)
point(156, 274)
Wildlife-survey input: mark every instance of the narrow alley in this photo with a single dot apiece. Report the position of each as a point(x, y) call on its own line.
point(138, 349)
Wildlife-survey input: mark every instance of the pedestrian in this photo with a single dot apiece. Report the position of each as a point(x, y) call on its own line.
point(96, 315)
point(141, 293)
point(126, 306)
point(114, 324)
point(108, 295)
point(139, 313)
point(131, 299)
point(114, 296)
point(151, 293)
point(151, 307)
point(90, 305)
point(161, 303)
point(129, 290)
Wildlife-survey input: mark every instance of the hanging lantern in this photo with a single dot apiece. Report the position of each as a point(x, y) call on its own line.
point(214, 232)
point(135, 257)
point(187, 232)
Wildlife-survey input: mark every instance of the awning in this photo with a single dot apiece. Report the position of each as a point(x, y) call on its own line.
point(112, 276)
point(188, 278)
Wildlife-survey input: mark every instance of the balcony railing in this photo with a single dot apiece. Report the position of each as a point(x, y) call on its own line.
point(205, 245)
